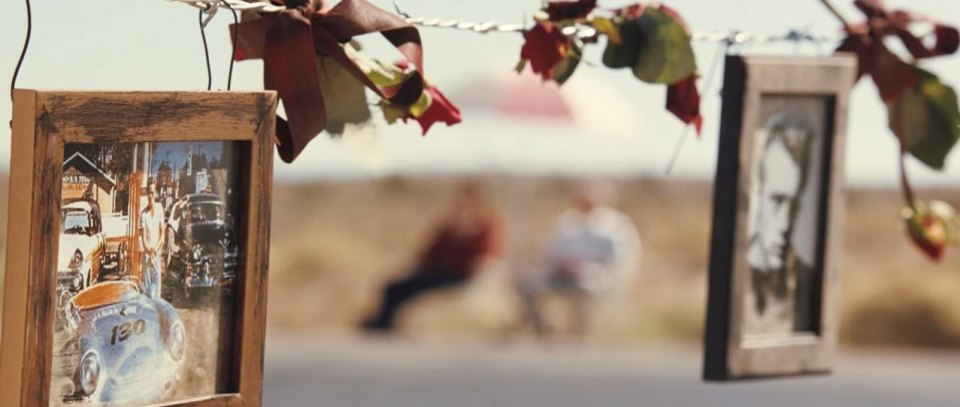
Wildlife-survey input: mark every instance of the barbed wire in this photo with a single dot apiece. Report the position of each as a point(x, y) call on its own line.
point(483, 27)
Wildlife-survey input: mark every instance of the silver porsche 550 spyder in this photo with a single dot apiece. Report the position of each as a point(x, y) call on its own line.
point(121, 345)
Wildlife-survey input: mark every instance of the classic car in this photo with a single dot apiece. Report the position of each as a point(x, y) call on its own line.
point(81, 247)
point(200, 249)
point(123, 346)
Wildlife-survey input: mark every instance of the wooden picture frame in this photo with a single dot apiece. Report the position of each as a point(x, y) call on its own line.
point(47, 122)
point(777, 217)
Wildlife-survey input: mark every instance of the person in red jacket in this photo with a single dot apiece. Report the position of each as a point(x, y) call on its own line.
point(467, 237)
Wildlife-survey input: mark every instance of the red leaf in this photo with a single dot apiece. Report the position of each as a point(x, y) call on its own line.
point(633, 11)
point(570, 10)
point(290, 68)
point(892, 76)
point(948, 39)
point(440, 110)
point(289, 44)
point(683, 100)
point(250, 37)
point(857, 44)
point(545, 46)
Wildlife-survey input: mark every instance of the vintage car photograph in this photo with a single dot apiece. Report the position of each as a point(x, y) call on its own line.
point(124, 346)
point(82, 246)
point(146, 233)
point(200, 251)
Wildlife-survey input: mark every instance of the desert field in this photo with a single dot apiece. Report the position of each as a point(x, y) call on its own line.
point(335, 243)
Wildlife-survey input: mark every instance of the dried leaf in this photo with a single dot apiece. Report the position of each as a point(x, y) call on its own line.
point(683, 100)
point(290, 68)
point(391, 113)
point(345, 97)
point(570, 10)
point(607, 27)
point(565, 69)
point(544, 46)
point(892, 76)
point(441, 110)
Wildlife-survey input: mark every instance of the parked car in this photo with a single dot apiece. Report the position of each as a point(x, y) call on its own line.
point(117, 257)
point(82, 246)
point(124, 346)
point(200, 250)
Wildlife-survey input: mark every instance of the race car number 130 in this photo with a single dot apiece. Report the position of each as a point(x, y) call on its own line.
point(126, 330)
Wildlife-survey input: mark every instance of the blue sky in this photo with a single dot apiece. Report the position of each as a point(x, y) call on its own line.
point(154, 45)
point(176, 153)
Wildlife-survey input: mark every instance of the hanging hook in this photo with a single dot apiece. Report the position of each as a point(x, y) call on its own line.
point(233, 46)
point(206, 52)
point(23, 53)
point(396, 5)
point(211, 9)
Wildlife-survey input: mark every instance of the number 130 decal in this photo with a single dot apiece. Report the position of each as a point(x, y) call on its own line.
point(127, 329)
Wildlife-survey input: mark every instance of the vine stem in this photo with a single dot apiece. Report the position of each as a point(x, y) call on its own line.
point(836, 13)
point(905, 182)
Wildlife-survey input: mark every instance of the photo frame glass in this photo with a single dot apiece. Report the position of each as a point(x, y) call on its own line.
point(148, 263)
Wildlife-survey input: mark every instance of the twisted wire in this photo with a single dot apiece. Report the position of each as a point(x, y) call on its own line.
point(485, 27)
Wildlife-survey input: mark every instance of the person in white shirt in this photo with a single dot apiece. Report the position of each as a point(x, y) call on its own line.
point(593, 250)
point(151, 240)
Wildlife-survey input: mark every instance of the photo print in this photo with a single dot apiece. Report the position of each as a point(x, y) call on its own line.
point(147, 270)
point(784, 217)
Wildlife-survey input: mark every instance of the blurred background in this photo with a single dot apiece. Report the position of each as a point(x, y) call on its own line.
point(351, 214)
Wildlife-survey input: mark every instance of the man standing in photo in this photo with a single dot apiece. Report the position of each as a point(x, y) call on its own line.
point(151, 240)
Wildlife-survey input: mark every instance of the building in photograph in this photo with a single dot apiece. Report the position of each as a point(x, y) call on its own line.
point(84, 179)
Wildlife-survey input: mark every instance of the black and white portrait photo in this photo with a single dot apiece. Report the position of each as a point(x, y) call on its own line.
point(783, 215)
point(777, 230)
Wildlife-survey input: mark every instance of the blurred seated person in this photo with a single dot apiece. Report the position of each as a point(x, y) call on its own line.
point(593, 250)
point(465, 240)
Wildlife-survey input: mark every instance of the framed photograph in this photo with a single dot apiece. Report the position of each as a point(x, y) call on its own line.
point(778, 217)
point(138, 241)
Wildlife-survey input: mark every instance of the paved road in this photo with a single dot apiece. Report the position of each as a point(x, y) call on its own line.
point(303, 372)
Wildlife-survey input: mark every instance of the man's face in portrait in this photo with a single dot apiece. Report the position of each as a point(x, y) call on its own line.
point(779, 186)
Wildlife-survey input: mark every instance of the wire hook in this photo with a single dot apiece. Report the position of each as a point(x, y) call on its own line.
point(396, 5)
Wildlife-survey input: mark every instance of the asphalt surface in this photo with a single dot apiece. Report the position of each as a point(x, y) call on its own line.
point(318, 372)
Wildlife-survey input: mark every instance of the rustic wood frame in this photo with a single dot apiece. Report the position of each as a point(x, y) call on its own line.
point(727, 355)
point(43, 121)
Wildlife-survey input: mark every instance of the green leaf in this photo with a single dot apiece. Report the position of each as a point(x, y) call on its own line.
point(565, 69)
point(926, 119)
point(656, 45)
point(344, 95)
point(607, 27)
point(390, 113)
point(381, 73)
point(623, 54)
point(666, 55)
